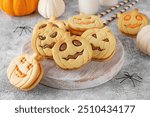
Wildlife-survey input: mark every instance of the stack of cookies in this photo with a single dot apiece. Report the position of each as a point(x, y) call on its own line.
point(74, 43)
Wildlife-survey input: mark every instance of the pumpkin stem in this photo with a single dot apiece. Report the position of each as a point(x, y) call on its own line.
point(53, 18)
point(119, 15)
point(37, 57)
point(136, 10)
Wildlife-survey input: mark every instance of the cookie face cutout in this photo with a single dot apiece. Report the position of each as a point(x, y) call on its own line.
point(43, 25)
point(25, 72)
point(72, 53)
point(102, 41)
point(43, 42)
point(132, 22)
point(83, 22)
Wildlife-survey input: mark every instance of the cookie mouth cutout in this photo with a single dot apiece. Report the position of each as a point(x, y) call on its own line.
point(75, 56)
point(133, 25)
point(50, 46)
point(19, 73)
point(96, 48)
point(86, 22)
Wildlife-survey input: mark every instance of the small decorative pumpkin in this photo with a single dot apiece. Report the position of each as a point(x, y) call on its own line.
point(132, 22)
point(18, 7)
point(49, 8)
point(143, 40)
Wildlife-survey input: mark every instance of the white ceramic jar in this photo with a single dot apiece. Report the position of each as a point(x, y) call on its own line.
point(89, 6)
point(108, 2)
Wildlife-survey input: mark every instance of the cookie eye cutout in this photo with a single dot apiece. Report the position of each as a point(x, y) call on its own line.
point(89, 18)
point(42, 37)
point(29, 66)
point(94, 35)
point(106, 40)
point(54, 25)
point(42, 26)
point(63, 47)
point(138, 17)
point(77, 18)
point(23, 60)
point(53, 35)
point(127, 17)
point(76, 43)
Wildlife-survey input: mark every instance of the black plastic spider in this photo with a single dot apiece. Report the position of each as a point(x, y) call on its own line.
point(25, 29)
point(132, 77)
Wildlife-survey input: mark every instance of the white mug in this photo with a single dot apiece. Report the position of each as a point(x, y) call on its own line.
point(89, 6)
point(108, 2)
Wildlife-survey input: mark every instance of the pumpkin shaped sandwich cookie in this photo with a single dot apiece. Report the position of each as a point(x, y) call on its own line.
point(72, 53)
point(103, 43)
point(43, 25)
point(82, 22)
point(132, 22)
point(43, 42)
point(25, 72)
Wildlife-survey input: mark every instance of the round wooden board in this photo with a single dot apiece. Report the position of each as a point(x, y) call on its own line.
point(90, 75)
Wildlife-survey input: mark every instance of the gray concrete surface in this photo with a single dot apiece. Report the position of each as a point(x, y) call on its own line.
point(135, 61)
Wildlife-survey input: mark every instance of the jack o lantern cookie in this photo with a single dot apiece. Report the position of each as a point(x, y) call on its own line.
point(72, 53)
point(43, 25)
point(25, 72)
point(132, 22)
point(103, 42)
point(82, 22)
point(43, 42)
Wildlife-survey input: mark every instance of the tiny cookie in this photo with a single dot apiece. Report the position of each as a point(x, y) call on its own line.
point(43, 42)
point(83, 22)
point(72, 53)
point(103, 42)
point(131, 22)
point(25, 72)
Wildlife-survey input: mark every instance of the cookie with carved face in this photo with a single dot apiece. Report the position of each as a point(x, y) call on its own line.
point(83, 22)
point(43, 25)
point(25, 72)
point(43, 42)
point(72, 53)
point(103, 42)
point(132, 22)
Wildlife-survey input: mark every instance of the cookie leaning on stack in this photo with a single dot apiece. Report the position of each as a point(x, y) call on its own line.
point(103, 42)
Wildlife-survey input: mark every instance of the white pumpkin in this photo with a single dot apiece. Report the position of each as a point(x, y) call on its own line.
point(143, 40)
point(48, 8)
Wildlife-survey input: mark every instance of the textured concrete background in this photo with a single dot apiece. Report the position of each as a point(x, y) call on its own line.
point(135, 61)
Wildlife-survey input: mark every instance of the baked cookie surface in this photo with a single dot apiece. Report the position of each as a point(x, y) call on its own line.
point(25, 72)
point(72, 53)
point(132, 22)
point(43, 25)
point(82, 22)
point(43, 42)
point(103, 42)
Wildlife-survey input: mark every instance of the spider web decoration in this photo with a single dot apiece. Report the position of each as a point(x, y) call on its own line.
point(131, 77)
point(23, 29)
